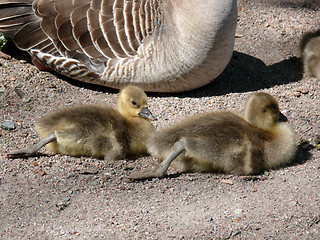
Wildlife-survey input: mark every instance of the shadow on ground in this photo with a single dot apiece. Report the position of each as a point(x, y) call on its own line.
point(244, 73)
point(303, 153)
point(306, 4)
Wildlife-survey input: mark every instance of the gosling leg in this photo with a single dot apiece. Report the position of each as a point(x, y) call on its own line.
point(33, 149)
point(161, 170)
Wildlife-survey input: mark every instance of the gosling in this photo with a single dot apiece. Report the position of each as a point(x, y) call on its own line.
point(310, 49)
point(225, 142)
point(98, 131)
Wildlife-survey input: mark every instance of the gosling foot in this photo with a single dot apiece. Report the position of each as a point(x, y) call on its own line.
point(147, 174)
point(20, 154)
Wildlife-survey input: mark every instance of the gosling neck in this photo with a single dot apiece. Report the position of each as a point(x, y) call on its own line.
point(139, 130)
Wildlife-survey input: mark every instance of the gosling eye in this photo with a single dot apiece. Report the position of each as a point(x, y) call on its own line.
point(134, 103)
point(274, 108)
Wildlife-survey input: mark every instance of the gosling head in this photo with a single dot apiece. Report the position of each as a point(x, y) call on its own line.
point(132, 103)
point(262, 111)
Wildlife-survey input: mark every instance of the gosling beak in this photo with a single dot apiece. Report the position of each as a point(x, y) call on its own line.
point(282, 118)
point(145, 113)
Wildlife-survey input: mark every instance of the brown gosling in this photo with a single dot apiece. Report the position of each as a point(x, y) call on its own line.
point(310, 49)
point(225, 142)
point(98, 131)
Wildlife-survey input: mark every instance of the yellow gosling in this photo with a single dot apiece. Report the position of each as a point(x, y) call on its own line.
point(98, 131)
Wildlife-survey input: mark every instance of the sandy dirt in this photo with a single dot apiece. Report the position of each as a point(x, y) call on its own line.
point(61, 197)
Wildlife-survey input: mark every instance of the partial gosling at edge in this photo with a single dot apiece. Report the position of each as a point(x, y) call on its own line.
point(310, 51)
point(225, 142)
point(98, 131)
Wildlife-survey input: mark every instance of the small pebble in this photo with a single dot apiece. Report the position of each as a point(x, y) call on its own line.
point(236, 233)
point(295, 93)
point(298, 92)
point(8, 125)
point(42, 173)
point(303, 90)
point(22, 95)
point(71, 175)
point(264, 177)
point(88, 171)
point(95, 182)
point(238, 212)
point(316, 219)
point(251, 178)
point(65, 199)
point(226, 181)
point(128, 168)
point(62, 205)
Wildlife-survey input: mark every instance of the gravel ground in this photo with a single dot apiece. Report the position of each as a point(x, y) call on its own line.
point(61, 197)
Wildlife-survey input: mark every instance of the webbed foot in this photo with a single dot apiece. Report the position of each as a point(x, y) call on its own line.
point(147, 173)
point(19, 154)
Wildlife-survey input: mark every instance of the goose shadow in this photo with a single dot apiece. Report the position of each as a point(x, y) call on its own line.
point(244, 73)
point(304, 4)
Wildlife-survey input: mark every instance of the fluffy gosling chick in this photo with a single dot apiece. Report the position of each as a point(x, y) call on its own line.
point(225, 142)
point(97, 131)
point(310, 48)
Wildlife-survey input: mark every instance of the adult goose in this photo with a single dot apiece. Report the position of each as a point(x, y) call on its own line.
point(160, 46)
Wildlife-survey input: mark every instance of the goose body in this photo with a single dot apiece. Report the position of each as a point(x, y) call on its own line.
point(225, 142)
point(311, 56)
point(160, 46)
point(97, 130)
